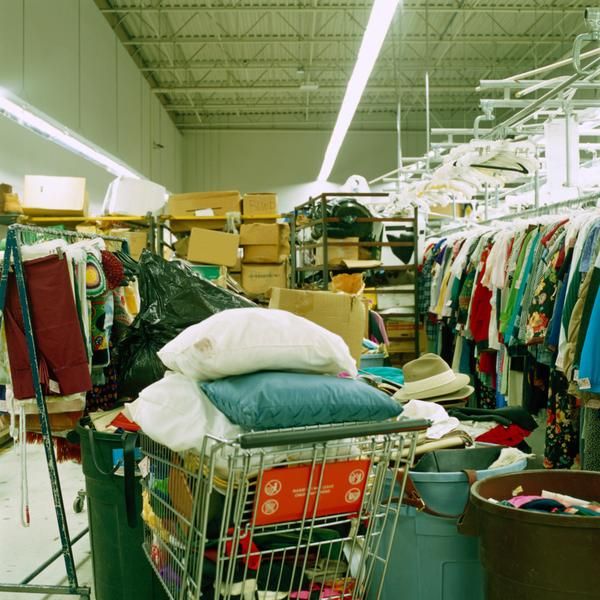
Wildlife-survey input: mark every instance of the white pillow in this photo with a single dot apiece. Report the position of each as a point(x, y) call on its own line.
point(176, 413)
point(245, 340)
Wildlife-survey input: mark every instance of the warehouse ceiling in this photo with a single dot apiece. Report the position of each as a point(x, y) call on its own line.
point(281, 64)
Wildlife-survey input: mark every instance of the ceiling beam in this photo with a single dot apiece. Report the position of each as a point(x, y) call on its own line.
point(234, 89)
point(528, 40)
point(474, 64)
point(328, 106)
point(306, 8)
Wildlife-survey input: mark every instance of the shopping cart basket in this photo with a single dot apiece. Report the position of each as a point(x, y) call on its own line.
point(293, 513)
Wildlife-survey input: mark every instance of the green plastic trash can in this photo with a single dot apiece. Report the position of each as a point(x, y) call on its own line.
point(121, 570)
point(532, 555)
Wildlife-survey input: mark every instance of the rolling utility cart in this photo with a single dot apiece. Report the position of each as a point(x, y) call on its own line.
point(294, 513)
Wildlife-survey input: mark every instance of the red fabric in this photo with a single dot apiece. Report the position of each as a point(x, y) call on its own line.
point(124, 423)
point(481, 309)
point(487, 362)
point(113, 269)
point(245, 548)
point(61, 353)
point(551, 233)
point(511, 436)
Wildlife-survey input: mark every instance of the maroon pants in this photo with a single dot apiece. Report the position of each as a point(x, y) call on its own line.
point(60, 347)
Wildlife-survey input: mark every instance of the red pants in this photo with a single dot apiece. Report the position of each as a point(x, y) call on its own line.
point(60, 347)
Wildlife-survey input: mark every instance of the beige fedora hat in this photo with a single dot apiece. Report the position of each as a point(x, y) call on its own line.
point(430, 378)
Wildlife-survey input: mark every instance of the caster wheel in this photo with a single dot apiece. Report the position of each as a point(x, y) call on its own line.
point(79, 503)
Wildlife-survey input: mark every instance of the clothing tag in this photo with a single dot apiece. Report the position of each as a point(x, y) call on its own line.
point(144, 466)
point(576, 374)
point(584, 384)
point(449, 303)
point(53, 386)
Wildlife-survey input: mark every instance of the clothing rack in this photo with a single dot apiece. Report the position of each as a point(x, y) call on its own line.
point(546, 209)
point(12, 253)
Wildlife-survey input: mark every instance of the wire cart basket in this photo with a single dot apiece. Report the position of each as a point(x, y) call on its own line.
point(293, 513)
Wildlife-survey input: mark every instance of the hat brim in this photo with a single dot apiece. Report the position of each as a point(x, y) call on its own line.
point(460, 382)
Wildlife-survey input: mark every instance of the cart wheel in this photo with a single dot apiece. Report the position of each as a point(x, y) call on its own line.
point(78, 503)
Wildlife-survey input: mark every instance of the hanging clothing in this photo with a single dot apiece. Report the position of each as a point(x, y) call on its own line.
point(62, 357)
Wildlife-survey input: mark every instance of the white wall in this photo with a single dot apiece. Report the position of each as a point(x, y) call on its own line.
point(286, 162)
point(62, 57)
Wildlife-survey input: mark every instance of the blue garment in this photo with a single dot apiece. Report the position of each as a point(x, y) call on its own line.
point(589, 250)
point(589, 366)
point(553, 333)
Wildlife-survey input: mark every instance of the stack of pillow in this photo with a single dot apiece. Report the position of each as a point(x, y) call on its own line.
point(254, 369)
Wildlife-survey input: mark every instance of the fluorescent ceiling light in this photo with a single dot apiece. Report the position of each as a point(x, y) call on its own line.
point(380, 20)
point(42, 125)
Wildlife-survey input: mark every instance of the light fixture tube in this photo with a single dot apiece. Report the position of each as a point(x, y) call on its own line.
point(45, 127)
point(380, 20)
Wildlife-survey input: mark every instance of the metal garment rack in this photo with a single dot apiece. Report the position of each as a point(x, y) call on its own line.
point(12, 255)
point(547, 209)
point(298, 272)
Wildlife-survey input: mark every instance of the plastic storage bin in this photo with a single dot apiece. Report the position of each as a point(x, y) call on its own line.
point(372, 360)
point(430, 560)
point(121, 571)
point(537, 556)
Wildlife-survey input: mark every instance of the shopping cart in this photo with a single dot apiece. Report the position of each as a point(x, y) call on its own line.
point(293, 513)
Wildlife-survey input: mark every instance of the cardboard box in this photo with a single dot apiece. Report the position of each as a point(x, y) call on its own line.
point(265, 243)
point(340, 313)
point(64, 196)
point(336, 255)
point(260, 203)
point(182, 246)
point(213, 247)
point(264, 234)
point(396, 296)
point(138, 240)
point(5, 189)
point(237, 268)
point(257, 280)
point(218, 203)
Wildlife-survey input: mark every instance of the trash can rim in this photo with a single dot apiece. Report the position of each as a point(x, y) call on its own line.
point(540, 518)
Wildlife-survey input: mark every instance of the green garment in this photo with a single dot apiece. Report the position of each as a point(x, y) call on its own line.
point(517, 288)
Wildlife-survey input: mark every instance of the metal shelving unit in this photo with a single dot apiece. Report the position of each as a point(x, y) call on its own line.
point(299, 272)
point(149, 221)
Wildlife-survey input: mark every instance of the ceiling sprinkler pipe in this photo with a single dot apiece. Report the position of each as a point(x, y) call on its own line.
point(592, 20)
point(488, 116)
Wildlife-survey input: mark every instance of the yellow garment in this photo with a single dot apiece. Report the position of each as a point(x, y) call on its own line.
point(132, 299)
point(439, 307)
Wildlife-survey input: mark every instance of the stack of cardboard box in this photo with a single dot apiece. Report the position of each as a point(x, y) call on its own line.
point(205, 244)
point(266, 252)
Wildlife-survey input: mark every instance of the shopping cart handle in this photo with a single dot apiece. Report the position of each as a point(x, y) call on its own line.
point(324, 433)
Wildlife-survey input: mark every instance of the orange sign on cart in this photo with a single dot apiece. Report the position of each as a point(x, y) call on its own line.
point(283, 492)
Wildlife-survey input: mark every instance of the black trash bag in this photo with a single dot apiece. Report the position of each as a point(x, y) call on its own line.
point(172, 298)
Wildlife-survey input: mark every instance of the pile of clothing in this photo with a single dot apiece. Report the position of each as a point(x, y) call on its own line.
point(523, 298)
point(553, 503)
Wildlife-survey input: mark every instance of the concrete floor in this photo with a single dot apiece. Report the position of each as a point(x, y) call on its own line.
point(22, 550)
